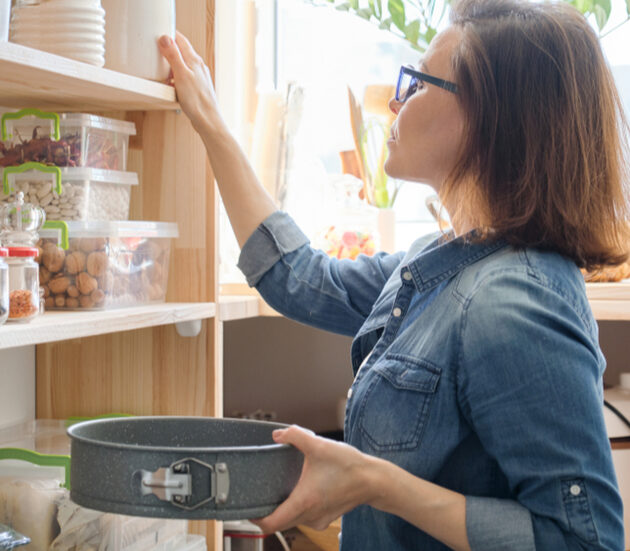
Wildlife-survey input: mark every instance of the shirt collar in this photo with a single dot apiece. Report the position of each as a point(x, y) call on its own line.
point(446, 256)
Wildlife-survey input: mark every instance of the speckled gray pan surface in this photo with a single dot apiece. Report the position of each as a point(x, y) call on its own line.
point(110, 458)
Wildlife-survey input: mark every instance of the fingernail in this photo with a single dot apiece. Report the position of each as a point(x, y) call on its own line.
point(165, 41)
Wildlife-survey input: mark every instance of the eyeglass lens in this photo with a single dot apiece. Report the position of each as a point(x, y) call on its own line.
point(407, 85)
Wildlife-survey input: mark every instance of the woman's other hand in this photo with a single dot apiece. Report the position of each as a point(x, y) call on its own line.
point(333, 481)
point(192, 80)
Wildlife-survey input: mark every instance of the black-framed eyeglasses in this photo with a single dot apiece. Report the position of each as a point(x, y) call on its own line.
point(409, 79)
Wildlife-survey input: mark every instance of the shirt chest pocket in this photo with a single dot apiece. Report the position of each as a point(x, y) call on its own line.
point(397, 402)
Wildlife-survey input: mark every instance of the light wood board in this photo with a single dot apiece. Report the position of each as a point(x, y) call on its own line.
point(59, 326)
point(154, 370)
point(33, 78)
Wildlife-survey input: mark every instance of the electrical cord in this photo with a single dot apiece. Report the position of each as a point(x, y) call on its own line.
point(283, 541)
point(621, 416)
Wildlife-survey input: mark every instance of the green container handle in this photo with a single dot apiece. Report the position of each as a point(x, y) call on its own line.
point(62, 227)
point(31, 166)
point(34, 112)
point(41, 459)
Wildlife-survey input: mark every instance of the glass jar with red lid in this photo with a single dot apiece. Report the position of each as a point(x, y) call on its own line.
point(23, 283)
point(4, 286)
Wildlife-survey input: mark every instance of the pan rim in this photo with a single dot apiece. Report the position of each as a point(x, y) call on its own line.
point(72, 432)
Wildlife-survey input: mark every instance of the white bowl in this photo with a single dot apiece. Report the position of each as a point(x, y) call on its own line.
point(75, 39)
point(62, 46)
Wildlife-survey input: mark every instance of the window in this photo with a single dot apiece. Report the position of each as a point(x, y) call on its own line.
point(268, 44)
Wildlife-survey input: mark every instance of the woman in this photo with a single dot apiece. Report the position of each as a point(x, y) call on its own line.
point(475, 417)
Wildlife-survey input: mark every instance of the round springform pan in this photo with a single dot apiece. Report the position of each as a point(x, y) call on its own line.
point(181, 467)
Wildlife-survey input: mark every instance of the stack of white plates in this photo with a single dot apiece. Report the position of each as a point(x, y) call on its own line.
point(70, 28)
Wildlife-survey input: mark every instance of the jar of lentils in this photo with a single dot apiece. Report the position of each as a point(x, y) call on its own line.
point(23, 283)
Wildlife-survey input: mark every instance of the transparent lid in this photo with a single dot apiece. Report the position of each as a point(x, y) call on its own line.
point(42, 436)
point(72, 174)
point(94, 121)
point(28, 118)
point(125, 228)
point(20, 222)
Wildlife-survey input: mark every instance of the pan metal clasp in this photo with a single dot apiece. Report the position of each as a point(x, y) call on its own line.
point(175, 484)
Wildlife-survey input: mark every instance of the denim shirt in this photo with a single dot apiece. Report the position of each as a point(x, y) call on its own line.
point(477, 367)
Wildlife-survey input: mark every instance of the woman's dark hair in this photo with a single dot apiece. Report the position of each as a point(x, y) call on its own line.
point(545, 133)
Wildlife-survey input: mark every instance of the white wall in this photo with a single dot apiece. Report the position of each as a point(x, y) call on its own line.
point(275, 364)
point(17, 385)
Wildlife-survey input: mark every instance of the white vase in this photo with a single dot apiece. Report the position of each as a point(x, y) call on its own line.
point(387, 230)
point(132, 28)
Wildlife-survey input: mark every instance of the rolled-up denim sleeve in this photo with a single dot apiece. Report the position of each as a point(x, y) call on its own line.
point(530, 386)
point(306, 285)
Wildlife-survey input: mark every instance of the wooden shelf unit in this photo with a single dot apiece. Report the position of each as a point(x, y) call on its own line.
point(60, 326)
point(610, 301)
point(134, 360)
point(32, 78)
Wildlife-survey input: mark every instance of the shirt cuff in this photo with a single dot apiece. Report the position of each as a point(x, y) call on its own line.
point(276, 236)
point(497, 524)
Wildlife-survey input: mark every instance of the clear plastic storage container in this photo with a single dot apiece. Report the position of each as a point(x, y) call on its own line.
point(65, 139)
point(107, 265)
point(86, 193)
point(4, 286)
point(23, 283)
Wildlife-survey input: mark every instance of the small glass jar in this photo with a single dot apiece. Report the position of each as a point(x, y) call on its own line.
point(4, 286)
point(23, 283)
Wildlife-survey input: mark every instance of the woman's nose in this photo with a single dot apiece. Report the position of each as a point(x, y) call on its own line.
point(394, 105)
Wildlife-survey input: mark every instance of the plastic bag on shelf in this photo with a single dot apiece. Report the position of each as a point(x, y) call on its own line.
point(29, 506)
point(10, 539)
point(85, 529)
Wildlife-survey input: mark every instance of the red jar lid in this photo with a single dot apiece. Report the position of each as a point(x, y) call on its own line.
point(4, 252)
point(23, 251)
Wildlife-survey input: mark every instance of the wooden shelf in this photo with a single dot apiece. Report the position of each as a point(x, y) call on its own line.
point(610, 301)
point(240, 301)
point(32, 78)
point(237, 307)
point(60, 326)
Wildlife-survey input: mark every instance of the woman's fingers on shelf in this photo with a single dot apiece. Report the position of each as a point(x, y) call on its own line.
point(171, 52)
point(187, 51)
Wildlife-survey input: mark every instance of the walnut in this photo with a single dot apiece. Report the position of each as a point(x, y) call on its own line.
point(72, 291)
point(44, 275)
point(97, 264)
point(60, 301)
point(106, 282)
point(91, 244)
point(53, 257)
point(75, 262)
point(49, 302)
point(97, 296)
point(156, 292)
point(72, 302)
point(85, 301)
point(59, 285)
point(86, 283)
point(46, 291)
point(155, 272)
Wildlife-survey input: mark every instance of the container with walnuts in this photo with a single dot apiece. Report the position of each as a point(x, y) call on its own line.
point(107, 265)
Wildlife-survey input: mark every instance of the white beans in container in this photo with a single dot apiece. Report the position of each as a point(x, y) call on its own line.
point(86, 193)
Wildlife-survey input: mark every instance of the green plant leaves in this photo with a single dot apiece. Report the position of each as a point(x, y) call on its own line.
point(412, 32)
point(397, 13)
point(399, 17)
